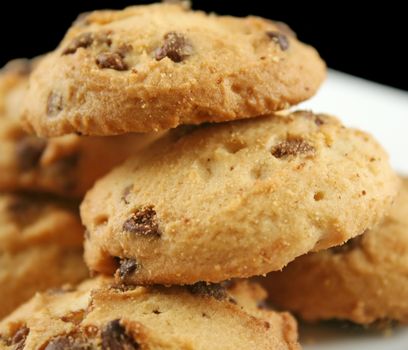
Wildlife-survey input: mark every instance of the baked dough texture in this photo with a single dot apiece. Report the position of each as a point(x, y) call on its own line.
point(67, 165)
point(236, 199)
point(99, 315)
point(363, 281)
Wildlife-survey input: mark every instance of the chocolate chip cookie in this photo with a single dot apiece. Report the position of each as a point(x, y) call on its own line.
point(236, 199)
point(363, 281)
point(67, 165)
point(40, 247)
point(154, 67)
point(99, 315)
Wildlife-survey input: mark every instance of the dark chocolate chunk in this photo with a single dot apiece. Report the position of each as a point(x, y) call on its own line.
point(292, 147)
point(67, 342)
point(19, 338)
point(143, 222)
point(114, 337)
point(84, 40)
point(319, 121)
point(127, 267)
point(111, 60)
point(208, 289)
point(175, 46)
point(280, 39)
point(29, 151)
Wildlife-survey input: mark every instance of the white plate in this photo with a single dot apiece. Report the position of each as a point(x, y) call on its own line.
point(383, 111)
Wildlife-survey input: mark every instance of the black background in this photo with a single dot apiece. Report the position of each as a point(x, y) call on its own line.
point(370, 41)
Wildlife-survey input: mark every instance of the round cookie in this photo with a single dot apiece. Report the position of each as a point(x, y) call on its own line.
point(236, 199)
point(40, 247)
point(149, 68)
point(363, 281)
point(99, 315)
point(66, 165)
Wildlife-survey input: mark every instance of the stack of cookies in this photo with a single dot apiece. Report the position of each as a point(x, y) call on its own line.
point(221, 183)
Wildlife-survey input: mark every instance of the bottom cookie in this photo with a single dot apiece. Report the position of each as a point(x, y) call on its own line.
point(100, 315)
point(364, 280)
point(40, 247)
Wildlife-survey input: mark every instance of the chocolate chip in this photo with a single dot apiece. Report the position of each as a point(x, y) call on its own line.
point(114, 337)
point(19, 338)
point(127, 267)
point(232, 300)
point(208, 289)
point(111, 60)
point(175, 46)
point(55, 104)
point(319, 121)
point(280, 39)
point(67, 342)
point(143, 222)
point(292, 147)
point(349, 246)
point(84, 40)
point(29, 151)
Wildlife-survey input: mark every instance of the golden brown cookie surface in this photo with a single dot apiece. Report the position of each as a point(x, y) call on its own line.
point(66, 165)
point(363, 280)
point(149, 68)
point(236, 199)
point(97, 315)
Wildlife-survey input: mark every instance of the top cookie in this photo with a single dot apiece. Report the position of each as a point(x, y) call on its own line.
point(66, 165)
point(236, 199)
point(155, 67)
